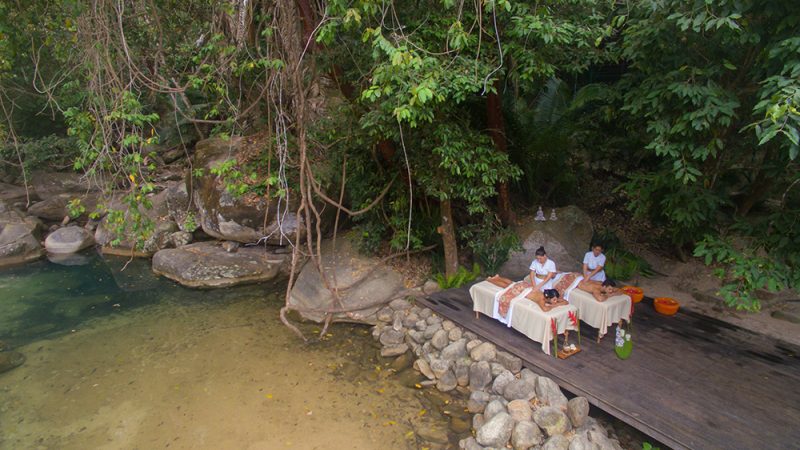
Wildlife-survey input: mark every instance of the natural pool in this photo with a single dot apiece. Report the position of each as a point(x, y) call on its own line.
point(121, 359)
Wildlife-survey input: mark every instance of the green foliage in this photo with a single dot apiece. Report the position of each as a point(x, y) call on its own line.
point(458, 279)
point(75, 208)
point(767, 257)
point(47, 153)
point(491, 244)
point(621, 263)
point(190, 223)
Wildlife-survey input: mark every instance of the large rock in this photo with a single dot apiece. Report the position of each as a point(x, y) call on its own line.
point(365, 285)
point(115, 234)
point(18, 237)
point(566, 240)
point(68, 240)
point(526, 435)
point(207, 264)
point(548, 392)
point(49, 184)
point(496, 431)
point(247, 218)
point(578, 411)
point(11, 193)
point(55, 208)
point(552, 420)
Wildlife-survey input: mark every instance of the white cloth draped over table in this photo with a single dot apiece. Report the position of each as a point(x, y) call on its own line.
point(523, 315)
point(601, 315)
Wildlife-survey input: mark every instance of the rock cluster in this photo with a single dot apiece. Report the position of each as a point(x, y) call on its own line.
point(512, 406)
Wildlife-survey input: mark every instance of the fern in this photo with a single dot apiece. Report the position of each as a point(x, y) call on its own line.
point(458, 279)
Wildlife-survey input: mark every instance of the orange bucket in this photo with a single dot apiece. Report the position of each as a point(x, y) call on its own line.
point(666, 306)
point(636, 294)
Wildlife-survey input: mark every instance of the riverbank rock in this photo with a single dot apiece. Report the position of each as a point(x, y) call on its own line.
point(566, 240)
point(247, 218)
point(114, 233)
point(68, 240)
point(18, 237)
point(365, 285)
point(208, 265)
point(496, 431)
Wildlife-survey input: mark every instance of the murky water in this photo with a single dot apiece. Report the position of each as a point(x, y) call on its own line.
point(121, 359)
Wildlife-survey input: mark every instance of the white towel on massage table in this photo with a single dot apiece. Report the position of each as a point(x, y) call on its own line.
point(524, 315)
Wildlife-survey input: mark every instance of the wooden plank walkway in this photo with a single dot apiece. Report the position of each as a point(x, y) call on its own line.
point(691, 382)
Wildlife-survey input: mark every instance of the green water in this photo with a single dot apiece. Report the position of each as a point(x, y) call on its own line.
point(123, 359)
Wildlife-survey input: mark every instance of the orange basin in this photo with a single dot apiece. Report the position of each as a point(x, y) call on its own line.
point(666, 306)
point(636, 294)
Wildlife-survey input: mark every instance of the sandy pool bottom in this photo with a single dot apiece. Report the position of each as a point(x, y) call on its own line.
point(219, 376)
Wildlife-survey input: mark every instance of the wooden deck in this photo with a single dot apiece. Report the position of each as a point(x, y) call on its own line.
point(691, 382)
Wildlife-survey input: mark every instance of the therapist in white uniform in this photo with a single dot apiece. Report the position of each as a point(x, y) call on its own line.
point(593, 263)
point(543, 270)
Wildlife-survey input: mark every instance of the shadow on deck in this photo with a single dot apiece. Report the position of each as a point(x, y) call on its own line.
point(692, 381)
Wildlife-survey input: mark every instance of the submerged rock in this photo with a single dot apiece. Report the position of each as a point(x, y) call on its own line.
point(207, 264)
point(10, 360)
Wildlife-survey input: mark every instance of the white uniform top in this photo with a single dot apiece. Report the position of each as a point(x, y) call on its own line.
point(542, 270)
point(592, 262)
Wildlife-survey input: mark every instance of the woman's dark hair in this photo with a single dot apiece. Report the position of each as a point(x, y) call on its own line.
point(596, 244)
point(609, 282)
point(540, 251)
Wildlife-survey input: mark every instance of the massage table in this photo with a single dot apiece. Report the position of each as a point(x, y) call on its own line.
point(523, 315)
point(600, 315)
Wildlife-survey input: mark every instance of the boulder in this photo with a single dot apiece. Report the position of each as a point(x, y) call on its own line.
point(115, 237)
point(520, 410)
point(552, 420)
point(526, 434)
point(548, 392)
point(55, 208)
point(68, 240)
point(447, 382)
point(496, 431)
point(11, 193)
point(180, 206)
point(518, 389)
point(394, 350)
point(18, 237)
point(206, 265)
point(509, 361)
point(581, 442)
point(455, 350)
point(440, 340)
point(566, 240)
point(578, 411)
point(424, 368)
point(477, 401)
point(557, 442)
point(48, 184)
point(365, 285)
point(480, 375)
point(247, 218)
point(501, 380)
point(483, 352)
point(494, 408)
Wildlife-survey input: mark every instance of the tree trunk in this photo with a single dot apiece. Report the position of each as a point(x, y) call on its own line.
point(448, 233)
point(307, 13)
point(497, 130)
